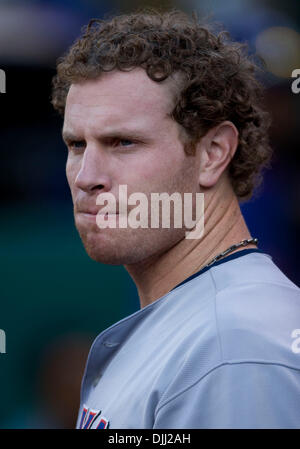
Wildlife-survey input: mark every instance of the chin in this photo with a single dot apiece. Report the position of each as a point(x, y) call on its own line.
point(109, 257)
point(108, 250)
point(126, 246)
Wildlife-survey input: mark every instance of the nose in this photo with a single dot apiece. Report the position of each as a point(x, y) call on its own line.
point(92, 175)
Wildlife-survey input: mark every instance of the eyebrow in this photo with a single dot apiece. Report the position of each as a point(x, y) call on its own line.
point(68, 136)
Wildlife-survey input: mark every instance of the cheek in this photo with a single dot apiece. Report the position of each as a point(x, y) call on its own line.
point(159, 169)
point(71, 171)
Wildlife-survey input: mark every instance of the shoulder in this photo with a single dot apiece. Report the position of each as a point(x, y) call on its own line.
point(243, 309)
point(248, 313)
point(257, 313)
point(253, 268)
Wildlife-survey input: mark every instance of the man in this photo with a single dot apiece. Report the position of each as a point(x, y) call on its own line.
point(159, 104)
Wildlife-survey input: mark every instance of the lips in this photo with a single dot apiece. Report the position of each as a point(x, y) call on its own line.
point(87, 211)
point(95, 212)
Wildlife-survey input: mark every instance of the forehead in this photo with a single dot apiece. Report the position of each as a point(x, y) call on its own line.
point(118, 98)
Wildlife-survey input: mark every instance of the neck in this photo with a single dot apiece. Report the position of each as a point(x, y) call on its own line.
point(224, 226)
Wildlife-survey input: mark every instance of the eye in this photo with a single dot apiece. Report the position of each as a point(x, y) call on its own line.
point(127, 141)
point(76, 144)
point(123, 142)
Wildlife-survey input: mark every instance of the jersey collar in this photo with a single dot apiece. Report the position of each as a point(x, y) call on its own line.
point(219, 262)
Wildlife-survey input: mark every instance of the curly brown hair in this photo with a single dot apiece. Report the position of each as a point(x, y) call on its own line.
point(218, 79)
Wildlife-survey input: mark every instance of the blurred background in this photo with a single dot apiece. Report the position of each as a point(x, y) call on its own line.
point(54, 299)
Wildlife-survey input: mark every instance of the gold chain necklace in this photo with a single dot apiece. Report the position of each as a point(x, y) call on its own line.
point(232, 248)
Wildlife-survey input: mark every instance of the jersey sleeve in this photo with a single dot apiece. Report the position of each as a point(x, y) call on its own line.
point(236, 396)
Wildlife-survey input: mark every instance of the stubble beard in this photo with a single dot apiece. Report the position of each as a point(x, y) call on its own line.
point(128, 246)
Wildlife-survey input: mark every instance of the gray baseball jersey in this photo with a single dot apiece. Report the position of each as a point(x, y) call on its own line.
point(221, 350)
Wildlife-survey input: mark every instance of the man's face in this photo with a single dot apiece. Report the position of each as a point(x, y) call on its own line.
point(118, 133)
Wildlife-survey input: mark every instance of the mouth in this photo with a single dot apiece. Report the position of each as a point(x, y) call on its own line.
point(91, 215)
point(95, 212)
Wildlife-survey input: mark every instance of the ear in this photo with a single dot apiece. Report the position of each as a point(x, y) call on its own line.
point(216, 149)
